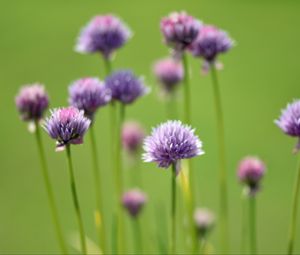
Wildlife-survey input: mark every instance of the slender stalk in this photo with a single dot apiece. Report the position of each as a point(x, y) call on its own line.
point(99, 218)
point(138, 239)
point(244, 225)
point(293, 224)
point(173, 210)
point(187, 92)
point(191, 184)
point(171, 106)
point(75, 201)
point(107, 66)
point(252, 224)
point(119, 179)
point(49, 191)
point(222, 163)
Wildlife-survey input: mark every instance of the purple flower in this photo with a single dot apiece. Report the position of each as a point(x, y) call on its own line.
point(132, 136)
point(210, 42)
point(250, 172)
point(204, 220)
point(179, 30)
point(170, 142)
point(125, 86)
point(103, 34)
point(134, 200)
point(67, 126)
point(89, 94)
point(169, 72)
point(32, 101)
point(289, 121)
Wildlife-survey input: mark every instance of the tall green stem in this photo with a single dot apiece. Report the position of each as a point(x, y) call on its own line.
point(119, 179)
point(187, 118)
point(293, 223)
point(75, 201)
point(138, 239)
point(252, 224)
point(222, 163)
point(49, 191)
point(187, 92)
point(99, 215)
point(244, 225)
point(173, 210)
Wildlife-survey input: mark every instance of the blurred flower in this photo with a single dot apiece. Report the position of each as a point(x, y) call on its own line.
point(67, 126)
point(289, 121)
point(31, 102)
point(179, 30)
point(169, 72)
point(125, 86)
point(132, 136)
point(250, 172)
point(204, 220)
point(210, 42)
point(88, 94)
point(170, 142)
point(134, 200)
point(103, 34)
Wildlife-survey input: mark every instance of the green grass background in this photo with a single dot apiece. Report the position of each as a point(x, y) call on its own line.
point(261, 75)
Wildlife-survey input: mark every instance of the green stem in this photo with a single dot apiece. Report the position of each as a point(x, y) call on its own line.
point(252, 224)
point(171, 106)
point(49, 190)
point(99, 218)
point(173, 210)
point(293, 223)
point(138, 239)
point(187, 92)
point(222, 162)
point(187, 118)
point(119, 178)
point(107, 66)
point(75, 201)
point(244, 226)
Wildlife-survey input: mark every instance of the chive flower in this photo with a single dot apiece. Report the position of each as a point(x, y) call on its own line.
point(89, 94)
point(204, 221)
point(67, 126)
point(169, 73)
point(170, 142)
point(103, 34)
point(210, 42)
point(134, 200)
point(250, 172)
point(132, 136)
point(125, 86)
point(32, 101)
point(179, 30)
point(289, 121)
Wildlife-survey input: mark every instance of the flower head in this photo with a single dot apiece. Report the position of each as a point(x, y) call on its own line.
point(89, 94)
point(204, 220)
point(134, 200)
point(210, 42)
point(169, 72)
point(179, 30)
point(125, 86)
point(103, 34)
point(67, 126)
point(170, 142)
point(289, 121)
point(250, 172)
point(132, 136)
point(32, 101)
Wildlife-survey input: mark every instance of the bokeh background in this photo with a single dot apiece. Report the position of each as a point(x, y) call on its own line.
point(261, 75)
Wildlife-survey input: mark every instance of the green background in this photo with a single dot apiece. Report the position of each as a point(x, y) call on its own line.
point(261, 75)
